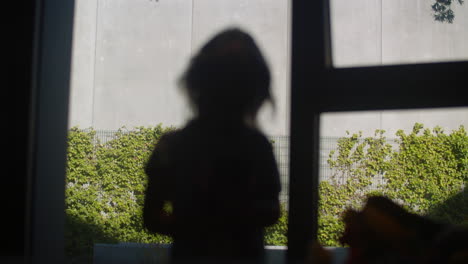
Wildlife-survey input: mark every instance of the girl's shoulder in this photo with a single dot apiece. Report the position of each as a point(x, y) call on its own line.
point(196, 133)
point(167, 138)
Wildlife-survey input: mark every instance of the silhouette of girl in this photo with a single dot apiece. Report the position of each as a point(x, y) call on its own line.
point(218, 172)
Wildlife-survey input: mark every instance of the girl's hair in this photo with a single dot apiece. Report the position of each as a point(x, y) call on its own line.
point(228, 78)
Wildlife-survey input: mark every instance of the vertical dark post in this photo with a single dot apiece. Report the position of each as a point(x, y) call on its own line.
point(52, 78)
point(310, 55)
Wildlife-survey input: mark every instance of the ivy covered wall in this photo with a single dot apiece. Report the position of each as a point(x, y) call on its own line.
point(426, 171)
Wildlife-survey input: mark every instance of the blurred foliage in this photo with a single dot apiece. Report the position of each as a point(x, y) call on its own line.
point(443, 10)
point(276, 234)
point(105, 187)
point(426, 174)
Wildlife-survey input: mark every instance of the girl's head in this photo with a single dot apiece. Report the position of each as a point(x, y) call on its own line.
point(228, 78)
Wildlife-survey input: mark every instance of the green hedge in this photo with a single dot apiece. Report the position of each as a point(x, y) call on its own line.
point(105, 183)
point(426, 173)
point(105, 186)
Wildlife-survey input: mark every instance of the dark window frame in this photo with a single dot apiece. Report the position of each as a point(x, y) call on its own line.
point(317, 87)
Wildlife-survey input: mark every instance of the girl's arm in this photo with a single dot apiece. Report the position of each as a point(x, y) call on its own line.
point(266, 206)
point(155, 218)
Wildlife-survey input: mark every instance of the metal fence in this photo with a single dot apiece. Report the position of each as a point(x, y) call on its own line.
point(327, 144)
point(281, 152)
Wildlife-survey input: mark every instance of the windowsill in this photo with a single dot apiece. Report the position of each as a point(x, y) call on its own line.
point(152, 253)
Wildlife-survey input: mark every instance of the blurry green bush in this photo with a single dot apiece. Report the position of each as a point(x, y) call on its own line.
point(105, 183)
point(105, 187)
point(426, 173)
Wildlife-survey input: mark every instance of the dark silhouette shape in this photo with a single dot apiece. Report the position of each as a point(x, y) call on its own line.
point(451, 245)
point(218, 173)
point(384, 232)
point(453, 210)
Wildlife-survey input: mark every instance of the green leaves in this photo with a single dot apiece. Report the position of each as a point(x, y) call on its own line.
point(277, 234)
point(425, 171)
point(428, 168)
point(105, 187)
point(443, 10)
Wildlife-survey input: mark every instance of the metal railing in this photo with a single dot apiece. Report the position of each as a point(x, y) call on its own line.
point(281, 152)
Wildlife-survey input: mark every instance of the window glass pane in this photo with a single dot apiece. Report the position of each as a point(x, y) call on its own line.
point(127, 58)
point(384, 32)
point(417, 158)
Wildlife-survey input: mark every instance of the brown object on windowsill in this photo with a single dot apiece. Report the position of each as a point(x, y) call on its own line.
point(384, 232)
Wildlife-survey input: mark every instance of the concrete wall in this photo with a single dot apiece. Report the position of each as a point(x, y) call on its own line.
point(83, 60)
point(128, 55)
point(376, 32)
point(356, 32)
point(336, 124)
point(141, 47)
